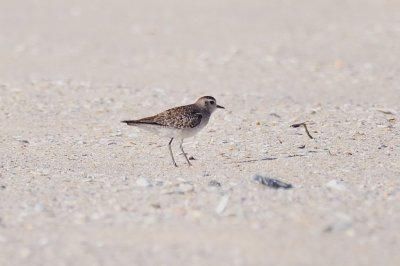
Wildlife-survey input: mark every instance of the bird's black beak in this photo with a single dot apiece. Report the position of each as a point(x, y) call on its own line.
point(219, 106)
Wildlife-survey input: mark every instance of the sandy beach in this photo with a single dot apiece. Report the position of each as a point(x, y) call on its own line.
point(78, 187)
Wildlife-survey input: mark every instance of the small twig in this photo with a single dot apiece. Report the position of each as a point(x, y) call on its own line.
point(305, 127)
point(386, 111)
point(255, 160)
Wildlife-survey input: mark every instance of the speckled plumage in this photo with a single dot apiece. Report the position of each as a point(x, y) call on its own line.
point(188, 116)
point(179, 122)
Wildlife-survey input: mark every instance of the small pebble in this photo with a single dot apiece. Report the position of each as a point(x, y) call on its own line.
point(214, 183)
point(158, 183)
point(156, 205)
point(336, 185)
point(275, 115)
point(222, 204)
point(142, 182)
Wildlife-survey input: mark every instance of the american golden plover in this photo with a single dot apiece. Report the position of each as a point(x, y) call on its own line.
point(179, 122)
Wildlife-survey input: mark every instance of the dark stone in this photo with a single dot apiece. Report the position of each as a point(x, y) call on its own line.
point(272, 183)
point(214, 183)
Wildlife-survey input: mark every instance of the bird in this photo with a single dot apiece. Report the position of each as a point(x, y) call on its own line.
point(179, 122)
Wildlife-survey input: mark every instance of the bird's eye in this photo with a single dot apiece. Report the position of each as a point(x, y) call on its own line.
point(212, 102)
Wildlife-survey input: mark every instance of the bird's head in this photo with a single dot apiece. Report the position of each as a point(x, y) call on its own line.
point(209, 103)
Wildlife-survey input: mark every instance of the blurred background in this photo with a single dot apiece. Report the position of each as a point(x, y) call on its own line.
point(307, 50)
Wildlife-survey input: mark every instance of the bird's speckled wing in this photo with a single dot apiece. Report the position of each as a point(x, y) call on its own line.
point(180, 117)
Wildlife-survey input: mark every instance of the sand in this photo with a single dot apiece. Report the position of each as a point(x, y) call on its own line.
point(77, 187)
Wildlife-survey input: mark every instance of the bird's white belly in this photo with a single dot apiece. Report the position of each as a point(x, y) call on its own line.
point(174, 132)
point(161, 130)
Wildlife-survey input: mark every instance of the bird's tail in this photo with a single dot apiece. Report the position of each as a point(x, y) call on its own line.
point(143, 121)
point(130, 122)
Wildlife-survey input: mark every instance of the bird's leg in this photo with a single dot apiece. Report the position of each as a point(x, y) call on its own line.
point(184, 153)
point(170, 152)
